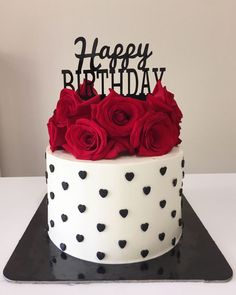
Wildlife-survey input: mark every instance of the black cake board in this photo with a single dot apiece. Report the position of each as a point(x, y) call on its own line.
point(195, 258)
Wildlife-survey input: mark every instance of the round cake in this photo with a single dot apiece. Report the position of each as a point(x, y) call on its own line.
point(114, 175)
point(114, 211)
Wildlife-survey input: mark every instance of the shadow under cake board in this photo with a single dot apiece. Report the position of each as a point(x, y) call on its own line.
point(195, 258)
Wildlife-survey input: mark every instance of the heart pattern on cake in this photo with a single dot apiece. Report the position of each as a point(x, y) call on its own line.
point(146, 190)
point(173, 213)
point(64, 217)
point(52, 223)
point(81, 208)
point(103, 192)
point(174, 182)
point(82, 174)
point(173, 241)
point(100, 255)
point(122, 243)
point(144, 253)
point(163, 170)
point(161, 236)
point(144, 226)
point(129, 176)
point(52, 195)
point(101, 227)
point(123, 212)
point(51, 168)
point(63, 246)
point(65, 185)
point(162, 203)
point(180, 192)
point(46, 176)
point(79, 238)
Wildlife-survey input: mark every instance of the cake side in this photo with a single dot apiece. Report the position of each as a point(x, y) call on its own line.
point(115, 211)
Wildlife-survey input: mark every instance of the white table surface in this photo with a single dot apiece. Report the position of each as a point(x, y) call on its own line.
point(213, 197)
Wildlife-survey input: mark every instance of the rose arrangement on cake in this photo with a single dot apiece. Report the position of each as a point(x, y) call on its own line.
point(104, 128)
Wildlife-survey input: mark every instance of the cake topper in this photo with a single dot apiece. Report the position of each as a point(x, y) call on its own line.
point(119, 69)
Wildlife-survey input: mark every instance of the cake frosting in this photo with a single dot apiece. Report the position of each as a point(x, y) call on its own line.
point(114, 211)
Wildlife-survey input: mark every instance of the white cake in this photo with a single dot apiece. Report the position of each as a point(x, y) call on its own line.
point(121, 210)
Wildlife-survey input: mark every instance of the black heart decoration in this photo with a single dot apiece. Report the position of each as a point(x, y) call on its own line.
point(82, 174)
point(81, 208)
point(122, 243)
point(174, 182)
point(46, 176)
point(162, 203)
point(144, 226)
point(173, 213)
point(51, 168)
point(123, 212)
point(64, 217)
point(180, 192)
point(79, 238)
point(100, 255)
point(161, 236)
point(129, 176)
point(163, 170)
point(52, 195)
point(146, 190)
point(144, 253)
point(103, 192)
point(65, 185)
point(173, 241)
point(63, 246)
point(101, 227)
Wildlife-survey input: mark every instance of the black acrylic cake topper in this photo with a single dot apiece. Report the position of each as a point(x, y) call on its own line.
point(119, 59)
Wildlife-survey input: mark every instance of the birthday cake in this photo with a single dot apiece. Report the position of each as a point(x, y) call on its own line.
point(114, 174)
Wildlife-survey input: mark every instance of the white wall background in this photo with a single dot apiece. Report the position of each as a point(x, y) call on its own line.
point(194, 40)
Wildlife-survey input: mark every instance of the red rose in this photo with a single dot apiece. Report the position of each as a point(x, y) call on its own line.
point(66, 106)
point(56, 134)
point(57, 124)
point(71, 106)
point(86, 90)
point(117, 114)
point(153, 134)
point(84, 108)
point(161, 100)
point(87, 140)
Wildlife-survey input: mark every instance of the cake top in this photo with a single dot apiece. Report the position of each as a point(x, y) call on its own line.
point(92, 127)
